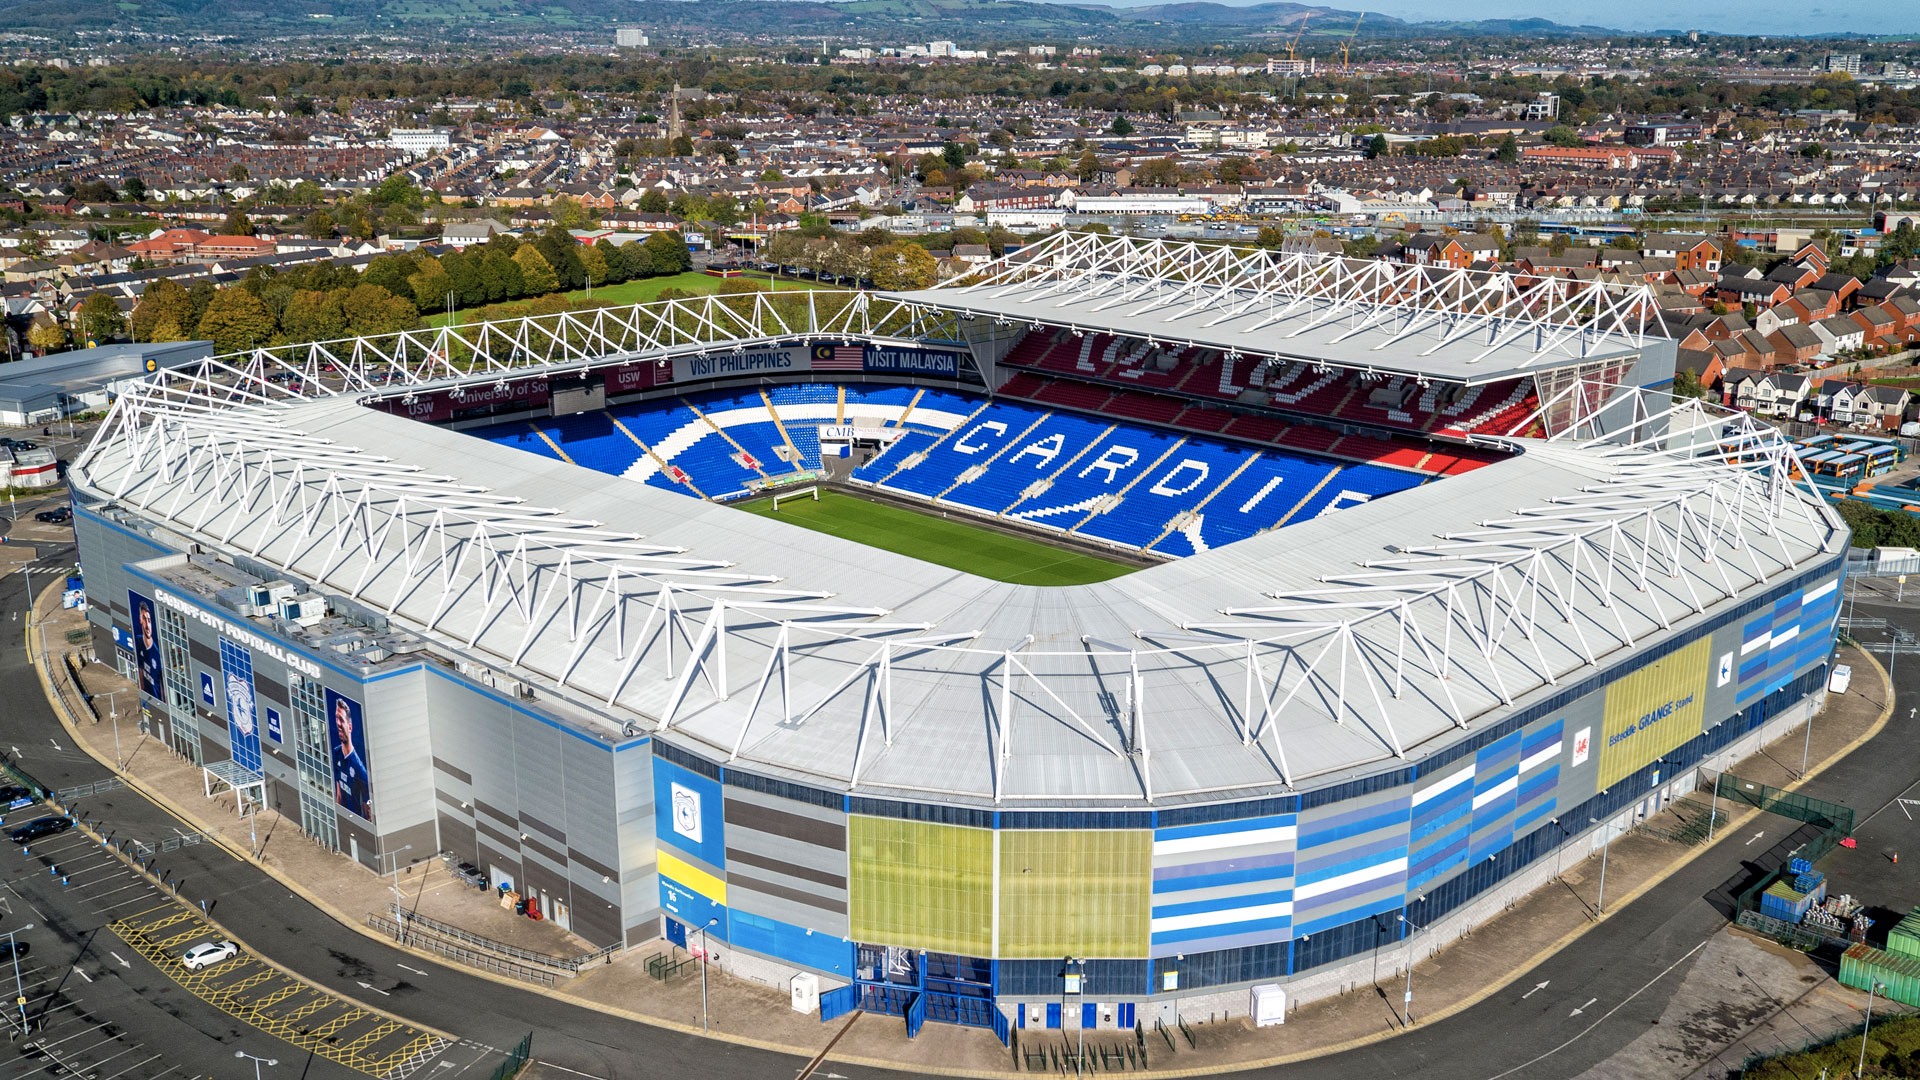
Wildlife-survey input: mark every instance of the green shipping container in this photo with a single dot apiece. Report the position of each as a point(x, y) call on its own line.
point(1904, 938)
point(1863, 965)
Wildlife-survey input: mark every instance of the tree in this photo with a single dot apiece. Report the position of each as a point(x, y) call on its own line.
point(613, 270)
point(238, 172)
point(100, 318)
point(1813, 150)
point(47, 337)
point(1562, 135)
point(1121, 125)
point(501, 276)
point(319, 225)
point(133, 189)
point(954, 153)
point(431, 284)
point(313, 315)
point(653, 201)
point(1686, 385)
point(1509, 150)
point(667, 251)
point(237, 223)
point(392, 273)
point(535, 271)
point(164, 300)
point(1378, 147)
point(903, 266)
point(1088, 166)
point(370, 309)
point(562, 253)
point(236, 320)
point(1160, 172)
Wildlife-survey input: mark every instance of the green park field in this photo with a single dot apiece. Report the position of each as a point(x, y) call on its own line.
point(948, 541)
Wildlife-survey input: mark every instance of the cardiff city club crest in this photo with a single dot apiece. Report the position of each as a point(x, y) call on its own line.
point(240, 704)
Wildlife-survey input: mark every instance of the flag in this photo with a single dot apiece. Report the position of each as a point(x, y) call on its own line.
point(839, 357)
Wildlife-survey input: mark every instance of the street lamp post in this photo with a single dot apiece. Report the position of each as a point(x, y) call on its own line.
point(113, 710)
point(257, 1061)
point(19, 987)
point(1079, 991)
point(396, 852)
point(1416, 928)
point(703, 972)
point(1600, 904)
point(1867, 1024)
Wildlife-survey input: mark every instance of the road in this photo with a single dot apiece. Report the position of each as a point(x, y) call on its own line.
point(1600, 993)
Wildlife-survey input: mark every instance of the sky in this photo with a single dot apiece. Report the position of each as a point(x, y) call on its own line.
point(1746, 17)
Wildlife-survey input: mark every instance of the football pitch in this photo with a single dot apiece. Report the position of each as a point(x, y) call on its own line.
point(951, 542)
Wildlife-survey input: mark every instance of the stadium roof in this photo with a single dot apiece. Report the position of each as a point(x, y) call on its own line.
point(1289, 660)
point(1463, 326)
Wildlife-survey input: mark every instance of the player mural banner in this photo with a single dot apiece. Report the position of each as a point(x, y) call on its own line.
point(347, 735)
point(1653, 711)
point(243, 727)
point(146, 643)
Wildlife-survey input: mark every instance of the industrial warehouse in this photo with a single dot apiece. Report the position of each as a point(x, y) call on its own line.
point(1431, 586)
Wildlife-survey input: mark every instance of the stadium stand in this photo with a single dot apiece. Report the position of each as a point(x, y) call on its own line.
point(1091, 468)
point(1090, 362)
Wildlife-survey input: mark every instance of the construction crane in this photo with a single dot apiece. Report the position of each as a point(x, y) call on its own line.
point(1296, 35)
point(1347, 48)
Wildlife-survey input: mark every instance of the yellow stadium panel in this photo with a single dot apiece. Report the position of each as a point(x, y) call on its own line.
point(1075, 893)
point(920, 885)
point(1653, 710)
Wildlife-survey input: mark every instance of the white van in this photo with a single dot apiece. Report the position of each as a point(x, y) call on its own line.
point(1842, 678)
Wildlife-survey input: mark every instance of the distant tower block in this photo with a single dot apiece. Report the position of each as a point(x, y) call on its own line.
point(629, 37)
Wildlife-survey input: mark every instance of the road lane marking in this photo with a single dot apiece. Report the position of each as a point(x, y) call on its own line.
point(1602, 1018)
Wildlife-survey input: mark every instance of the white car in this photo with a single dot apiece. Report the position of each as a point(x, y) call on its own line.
point(208, 954)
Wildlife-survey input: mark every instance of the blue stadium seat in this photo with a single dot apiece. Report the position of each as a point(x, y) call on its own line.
point(1178, 484)
point(1116, 461)
point(1039, 453)
point(1236, 490)
point(972, 444)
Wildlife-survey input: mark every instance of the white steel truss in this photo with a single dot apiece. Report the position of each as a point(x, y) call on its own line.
point(396, 363)
point(1688, 506)
point(1299, 305)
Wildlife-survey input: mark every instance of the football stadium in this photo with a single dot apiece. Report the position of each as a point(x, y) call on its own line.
point(1081, 643)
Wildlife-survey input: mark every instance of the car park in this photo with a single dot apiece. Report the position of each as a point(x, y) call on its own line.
point(39, 827)
point(207, 954)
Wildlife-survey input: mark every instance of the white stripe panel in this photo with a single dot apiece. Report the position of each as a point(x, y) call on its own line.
point(1755, 645)
point(1445, 785)
point(1811, 595)
point(1784, 635)
point(1352, 878)
point(1504, 787)
point(1280, 910)
point(1541, 757)
point(1279, 834)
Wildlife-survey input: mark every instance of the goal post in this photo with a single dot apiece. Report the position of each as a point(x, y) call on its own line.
point(795, 494)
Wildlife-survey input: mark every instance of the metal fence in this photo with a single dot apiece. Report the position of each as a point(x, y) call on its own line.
point(566, 965)
point(516, 1057)
point(82, 791)
point(470, 957)
point(1833, 822)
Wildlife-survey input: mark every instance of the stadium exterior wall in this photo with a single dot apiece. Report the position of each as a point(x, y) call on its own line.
point(626, 838)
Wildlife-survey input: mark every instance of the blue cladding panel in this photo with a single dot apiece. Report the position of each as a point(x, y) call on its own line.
point(794, 944)
point(687, 813)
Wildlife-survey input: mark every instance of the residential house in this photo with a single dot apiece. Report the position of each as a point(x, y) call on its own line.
point(1687, 252)
point(1839, 335)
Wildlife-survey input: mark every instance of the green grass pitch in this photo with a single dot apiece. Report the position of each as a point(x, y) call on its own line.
point(951, 542)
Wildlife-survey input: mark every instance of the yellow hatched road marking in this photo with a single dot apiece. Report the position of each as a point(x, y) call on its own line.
point(228, 987)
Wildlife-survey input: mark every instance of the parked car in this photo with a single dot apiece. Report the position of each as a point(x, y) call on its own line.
point(208, 954)
point(18, 444)
point(57, 516)
point(39, 827)
point(13, 793)
point(14, 950)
